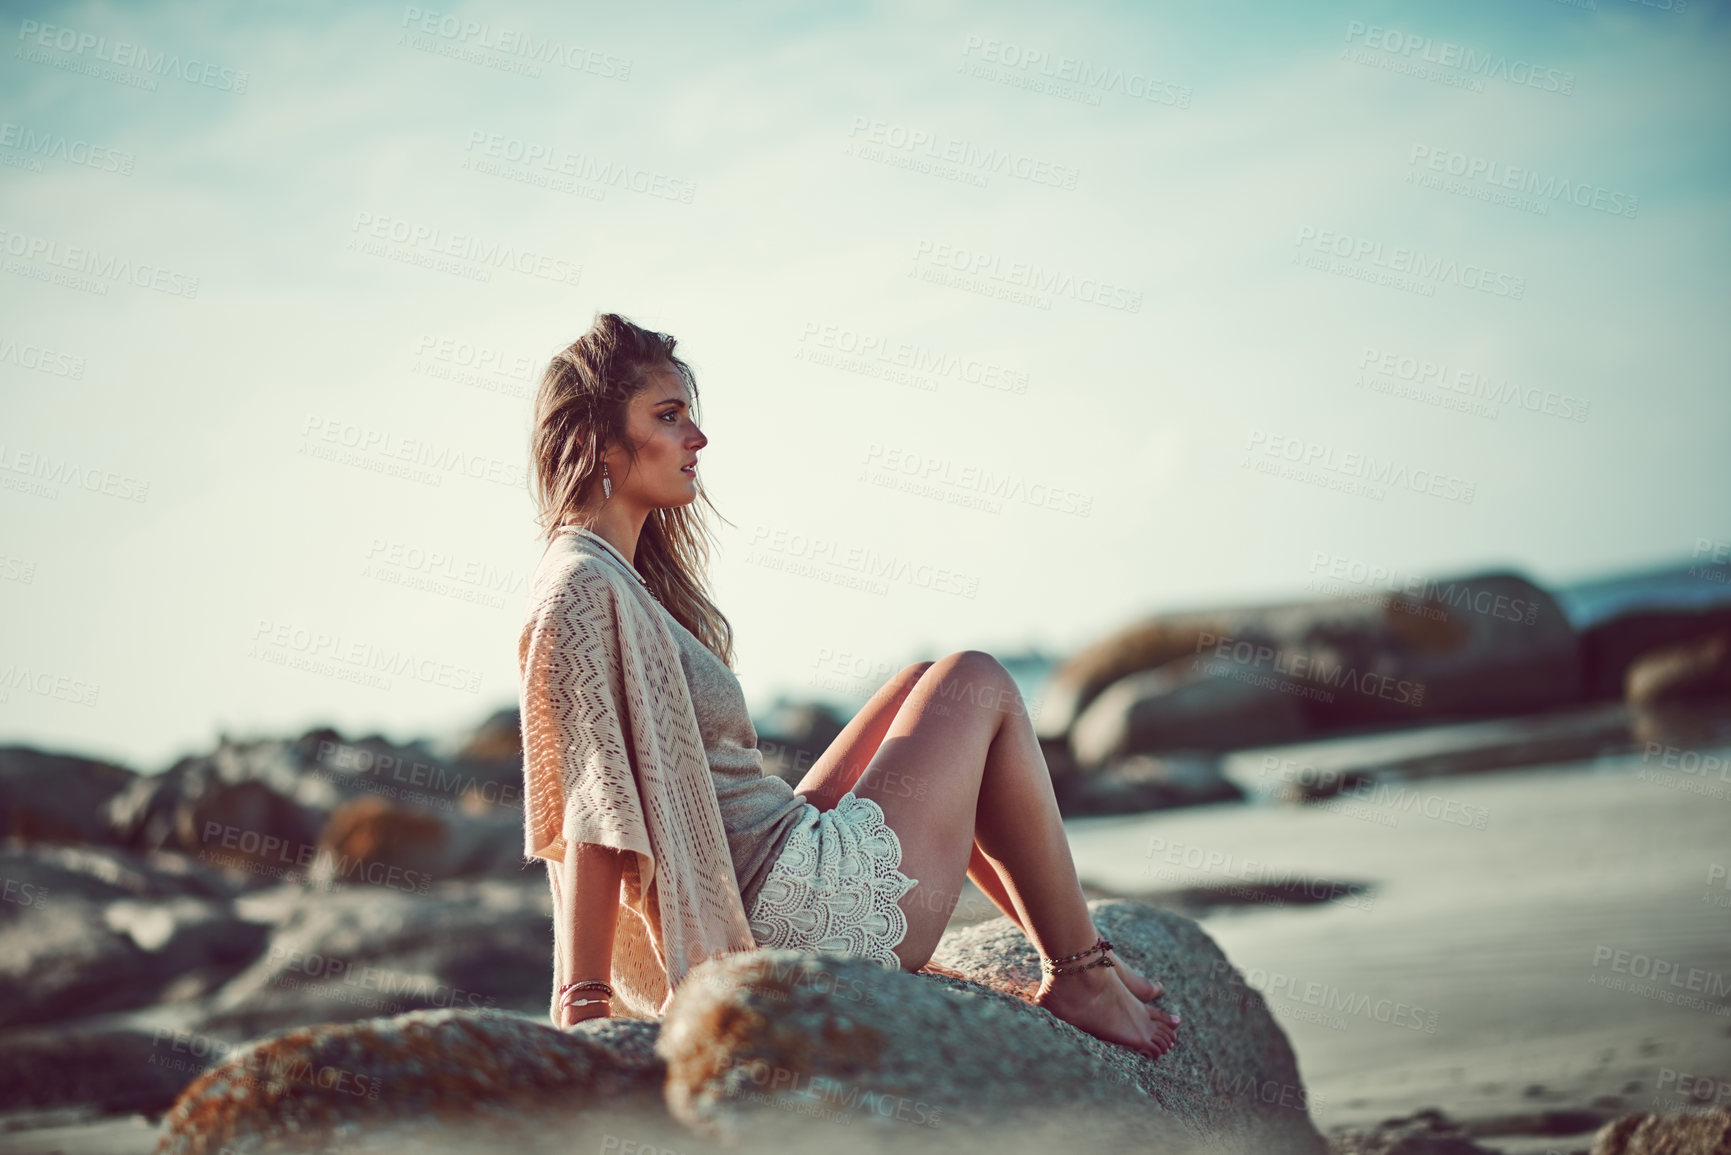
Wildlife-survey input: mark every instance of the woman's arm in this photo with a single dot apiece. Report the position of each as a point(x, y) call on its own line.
point(595, 912)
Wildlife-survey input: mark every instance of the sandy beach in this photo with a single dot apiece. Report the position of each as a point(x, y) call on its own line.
point(1501, 962)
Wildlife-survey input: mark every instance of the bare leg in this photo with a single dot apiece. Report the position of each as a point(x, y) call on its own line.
point(839, 768)
point(960, 763)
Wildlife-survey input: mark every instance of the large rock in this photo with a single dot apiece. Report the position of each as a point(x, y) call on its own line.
point(1175, 709)
point(1425, 1133)
point(1468, 646)
point(257, 809)
point(443, 1080)
point(38, 871)
point(65, 957)
point(1611, 647)
point(56, 797)
point(1145, 782)
point(106, 1069)
point(1705, 1132)
point(755, 1041)
point(362, 951)
point(1693, 671)
point(800, 1047)
point(369, 837)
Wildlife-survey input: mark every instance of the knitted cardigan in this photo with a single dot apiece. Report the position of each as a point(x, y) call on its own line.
point(612, 755)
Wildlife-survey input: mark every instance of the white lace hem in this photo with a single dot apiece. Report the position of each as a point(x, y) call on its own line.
point(836, 885)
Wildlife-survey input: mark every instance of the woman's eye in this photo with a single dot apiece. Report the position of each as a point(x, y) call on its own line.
point(671, 413)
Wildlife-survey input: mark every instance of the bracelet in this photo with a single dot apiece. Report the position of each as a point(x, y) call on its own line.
point(569, 989)
point(1051, 965)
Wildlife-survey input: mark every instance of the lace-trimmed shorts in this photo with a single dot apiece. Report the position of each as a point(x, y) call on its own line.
point(835, 885)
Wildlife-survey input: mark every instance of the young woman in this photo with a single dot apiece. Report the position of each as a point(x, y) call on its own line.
point(938, 777)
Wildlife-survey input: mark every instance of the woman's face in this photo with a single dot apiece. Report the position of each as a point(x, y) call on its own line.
point(658, 421)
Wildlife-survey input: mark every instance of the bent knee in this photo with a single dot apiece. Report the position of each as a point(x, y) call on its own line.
point(981, 674)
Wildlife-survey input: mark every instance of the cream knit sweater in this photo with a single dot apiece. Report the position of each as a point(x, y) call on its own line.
point(612, 754)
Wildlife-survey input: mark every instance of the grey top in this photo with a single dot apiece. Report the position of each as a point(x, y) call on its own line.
point(758, 811)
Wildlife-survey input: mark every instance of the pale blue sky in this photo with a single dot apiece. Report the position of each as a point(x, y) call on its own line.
point(783, 215)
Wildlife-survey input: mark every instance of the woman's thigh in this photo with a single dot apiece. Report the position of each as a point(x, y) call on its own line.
point(839, 767)
point(926, 776)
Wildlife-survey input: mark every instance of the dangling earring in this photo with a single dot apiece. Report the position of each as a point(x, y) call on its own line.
point(606, 482)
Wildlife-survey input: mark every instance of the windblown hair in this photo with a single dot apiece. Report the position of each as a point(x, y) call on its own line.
point(580, 411)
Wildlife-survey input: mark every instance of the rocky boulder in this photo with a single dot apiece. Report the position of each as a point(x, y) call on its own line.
point(1693, 671)
point(1609, 649)
point(1455, 647)
point(1146, 782)
point(1706, 1132)
point(441, 1080)
point(57, 797)
point(64, 956)
point(786, 1048)
point(1174, 708)
point(369, 838)
point(362, 951)
point(755, 1040)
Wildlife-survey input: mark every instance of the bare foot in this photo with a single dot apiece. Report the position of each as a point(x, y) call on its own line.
point(1097, 1001)
point(1142, 988)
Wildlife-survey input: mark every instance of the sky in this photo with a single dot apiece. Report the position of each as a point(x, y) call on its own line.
point(1012, 324)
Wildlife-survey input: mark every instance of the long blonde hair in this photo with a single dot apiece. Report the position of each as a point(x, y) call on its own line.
point(581, 411)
